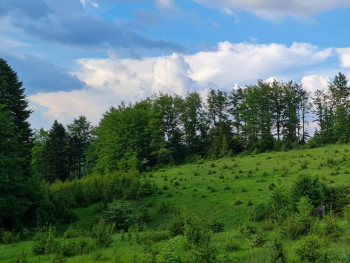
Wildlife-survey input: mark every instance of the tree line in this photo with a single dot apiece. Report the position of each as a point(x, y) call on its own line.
point(168, 129)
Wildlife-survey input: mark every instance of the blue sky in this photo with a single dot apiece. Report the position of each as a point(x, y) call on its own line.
point(79, 57)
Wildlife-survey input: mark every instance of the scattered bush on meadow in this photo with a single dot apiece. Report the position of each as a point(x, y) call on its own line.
point(121, 214)
point(102, 232)
point(310, 249)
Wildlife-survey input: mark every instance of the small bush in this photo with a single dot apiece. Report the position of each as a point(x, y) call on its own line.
point(247, 230)
point(102, 232)
point(46, 242)
point(256, 240)
point(231, 245)
point(216, 226)
point(332, 229)
point(278, 254)
point(72, 233)
point(310, 249)
point(9, 237)
point(259, 212)
point(120, 214)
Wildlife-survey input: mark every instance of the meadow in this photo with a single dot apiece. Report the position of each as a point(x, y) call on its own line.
point(221, 193)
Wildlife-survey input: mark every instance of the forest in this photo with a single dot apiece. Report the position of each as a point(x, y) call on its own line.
point(236, 176)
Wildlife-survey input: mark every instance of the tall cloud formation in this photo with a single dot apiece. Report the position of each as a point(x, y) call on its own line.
point(110, 81)
point(276, 9)
point(67, 22)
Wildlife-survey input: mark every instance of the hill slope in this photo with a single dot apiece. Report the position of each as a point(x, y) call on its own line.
point(223, 191)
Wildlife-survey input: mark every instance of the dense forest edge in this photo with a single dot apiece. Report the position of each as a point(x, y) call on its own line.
point(236, 177)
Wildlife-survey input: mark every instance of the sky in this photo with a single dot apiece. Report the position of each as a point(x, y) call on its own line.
point(80, 57)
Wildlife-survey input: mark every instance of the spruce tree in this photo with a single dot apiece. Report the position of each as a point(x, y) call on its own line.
point(17, 192)
point(14, 100)
point(56, 153)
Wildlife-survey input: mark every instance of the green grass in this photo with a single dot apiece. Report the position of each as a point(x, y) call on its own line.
point(224, 189)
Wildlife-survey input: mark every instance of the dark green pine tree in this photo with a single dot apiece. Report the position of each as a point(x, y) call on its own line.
point(20, 192)
point(12, 186)
point(56, 153)
point(14, 100)
point(79, 139)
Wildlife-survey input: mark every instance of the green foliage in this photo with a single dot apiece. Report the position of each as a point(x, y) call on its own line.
point(168, 253)
point(247, 230)
point(18, 200)
point(206, 252)
point(257, 240)
point(8, 237)
point(310, 187)
point(331, 230)
point(56, 154)
point(177, 225)
point(46, 242)
point(260, 212)
point(311, 249)
point(195, 230)
point(278, 254)
point(101, 233)
point(231, 245)
point(300, 223)
point(120, 214)
point(75, 247)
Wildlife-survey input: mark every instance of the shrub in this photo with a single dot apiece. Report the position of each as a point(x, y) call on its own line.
point(216, 226)
point(238, 202)
point(278, 254)
point(259, 212)
point(231, 245)
point(75, 247)
point(168, 253)
point(177, 224)
point(195, 230)
point(121, 214)
point(9, 237)
point(294, 226)
point(332, 229)
point(247, 230)
point(310, 187)
point(144, 217)
point(206, 252)
point(46, 242)
point(102, 232)
point(257, 240)
point(72, 233)
point(311, 249)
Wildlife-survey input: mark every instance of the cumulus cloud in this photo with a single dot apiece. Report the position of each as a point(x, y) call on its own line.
point(344, 54)
point(315, 82)
point(110, 81)
point(276, 9)
point(171, 75)
point(246, 62)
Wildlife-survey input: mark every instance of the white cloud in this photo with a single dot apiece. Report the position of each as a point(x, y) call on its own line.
point(171, 75)
point(315, 82)
point(110, 81)
point(245, 62)
point(344, 54)
point(277, 9)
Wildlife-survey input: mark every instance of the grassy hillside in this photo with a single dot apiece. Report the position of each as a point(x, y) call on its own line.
point(223, 190)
